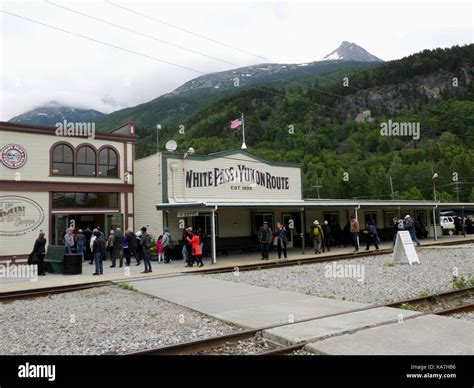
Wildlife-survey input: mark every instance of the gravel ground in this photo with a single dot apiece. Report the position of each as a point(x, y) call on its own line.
point(381, 282)
point(100, 320)
point(464, 316)
point(250, 346)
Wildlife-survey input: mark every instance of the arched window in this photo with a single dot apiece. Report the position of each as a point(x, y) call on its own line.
point(108, 166)
point(86, 161)
point(62, 160)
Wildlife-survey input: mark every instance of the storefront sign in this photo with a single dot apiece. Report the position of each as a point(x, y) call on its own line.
point(238, 174)
point(187, 214)
point(19, 215)
point(13, 156)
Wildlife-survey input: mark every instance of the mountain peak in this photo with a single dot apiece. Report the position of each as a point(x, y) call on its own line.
point(348, 51)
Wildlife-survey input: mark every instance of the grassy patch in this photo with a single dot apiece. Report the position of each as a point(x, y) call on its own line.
point(127, 286)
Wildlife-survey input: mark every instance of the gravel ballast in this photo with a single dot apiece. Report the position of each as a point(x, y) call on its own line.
point(105, 320)
point(376, 280)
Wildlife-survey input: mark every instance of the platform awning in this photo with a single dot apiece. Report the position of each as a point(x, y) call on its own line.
point(310, 203)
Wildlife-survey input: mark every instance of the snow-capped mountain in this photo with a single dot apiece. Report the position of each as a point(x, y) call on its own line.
point(53, 112)
point(351, 52)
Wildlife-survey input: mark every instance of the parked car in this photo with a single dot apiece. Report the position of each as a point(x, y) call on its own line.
point(446, 222)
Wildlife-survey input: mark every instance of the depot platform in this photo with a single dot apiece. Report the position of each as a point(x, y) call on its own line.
point(11, 284)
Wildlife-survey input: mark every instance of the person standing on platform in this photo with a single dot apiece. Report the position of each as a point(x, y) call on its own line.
point(409, 225)
point(159, 249)
point(167, 245)
point(318, 236)
point(138, 248)
point(132, 243)
point(265, 238)
point(354, 229)
point(81, 243)
point(196, 252)
point(145, 243)
point(327, 234)
point(102, 235)
point(88, 253)
point(117, 244)
point(186, 250)
point(69, 240)
point(98, 251)
point(281, 240)
point(38, 253)
point(371, 231)
point(110, 244)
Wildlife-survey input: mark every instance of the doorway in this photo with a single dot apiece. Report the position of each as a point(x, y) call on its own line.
point(292, 224)
point(106, 221)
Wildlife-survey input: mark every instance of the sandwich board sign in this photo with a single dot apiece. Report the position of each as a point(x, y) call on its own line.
point(404, 249)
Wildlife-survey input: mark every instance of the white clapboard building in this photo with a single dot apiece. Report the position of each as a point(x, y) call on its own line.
point(228, 195)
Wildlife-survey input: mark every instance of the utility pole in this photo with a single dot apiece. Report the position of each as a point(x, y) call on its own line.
point(391, 188)
point(317, 187)
point(457, 190)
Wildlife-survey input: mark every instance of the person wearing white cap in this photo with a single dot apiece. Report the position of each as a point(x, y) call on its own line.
point(317, 235)
point(409, 225)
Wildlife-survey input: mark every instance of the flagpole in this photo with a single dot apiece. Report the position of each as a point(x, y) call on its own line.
point(244, 146)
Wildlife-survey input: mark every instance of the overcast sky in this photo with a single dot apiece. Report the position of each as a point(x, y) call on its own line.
point(39, 64)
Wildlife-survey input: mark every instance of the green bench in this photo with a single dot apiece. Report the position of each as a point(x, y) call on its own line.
point(54, 258)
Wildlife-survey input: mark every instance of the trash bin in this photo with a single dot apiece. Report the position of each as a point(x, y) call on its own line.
point(72, 264)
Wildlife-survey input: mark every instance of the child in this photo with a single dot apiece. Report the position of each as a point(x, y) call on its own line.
point(160, 249)
point(195, 242)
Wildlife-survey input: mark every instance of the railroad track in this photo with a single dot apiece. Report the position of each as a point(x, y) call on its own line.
point(11, 296)
point(209, 344)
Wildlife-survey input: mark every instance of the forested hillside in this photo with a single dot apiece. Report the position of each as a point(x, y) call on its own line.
point(333, 128)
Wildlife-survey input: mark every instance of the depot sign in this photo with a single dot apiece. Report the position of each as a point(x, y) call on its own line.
point(236, 174)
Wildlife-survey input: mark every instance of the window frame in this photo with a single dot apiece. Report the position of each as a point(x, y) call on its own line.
point(108, 148)
point(52, 162)
point(78, 148)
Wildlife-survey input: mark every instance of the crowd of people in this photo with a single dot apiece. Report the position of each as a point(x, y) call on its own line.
point(96, 248)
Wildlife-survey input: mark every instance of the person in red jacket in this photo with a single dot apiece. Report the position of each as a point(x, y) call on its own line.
point(196, 251)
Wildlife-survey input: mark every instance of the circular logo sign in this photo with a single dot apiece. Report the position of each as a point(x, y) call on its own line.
point(13, 156)
point(19, 215)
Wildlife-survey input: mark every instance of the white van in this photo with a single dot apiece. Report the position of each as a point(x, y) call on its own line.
point(446, 222)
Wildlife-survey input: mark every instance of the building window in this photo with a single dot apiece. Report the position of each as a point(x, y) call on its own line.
point(108, 166)
point(370, 217)
point(331, 217)
point(204, 224)
point(260, 218)
point(85, 200)
point(63, 160)
point(389, 216)
point(86, 161)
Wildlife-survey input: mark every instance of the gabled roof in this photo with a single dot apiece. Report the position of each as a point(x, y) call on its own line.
point(228, 153)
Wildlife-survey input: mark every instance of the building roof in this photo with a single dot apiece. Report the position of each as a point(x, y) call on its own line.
point(124, 132)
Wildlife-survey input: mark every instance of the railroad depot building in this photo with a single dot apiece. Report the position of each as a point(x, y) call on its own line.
point(228, 195)
point(50, 180)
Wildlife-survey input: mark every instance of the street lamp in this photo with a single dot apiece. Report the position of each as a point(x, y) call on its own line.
point(190, 151)
point(433, 178)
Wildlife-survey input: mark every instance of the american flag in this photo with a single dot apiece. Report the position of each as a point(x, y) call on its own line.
point(235, 123)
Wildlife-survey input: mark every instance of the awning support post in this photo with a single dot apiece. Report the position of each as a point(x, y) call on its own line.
point(213, 235)
point(303, 231)
point(434, 224)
